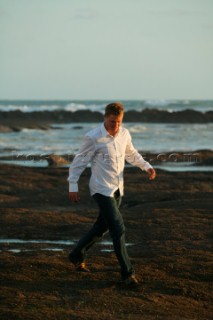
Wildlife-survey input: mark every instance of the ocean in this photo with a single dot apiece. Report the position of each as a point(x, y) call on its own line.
point(147, 137)
point(98, 105)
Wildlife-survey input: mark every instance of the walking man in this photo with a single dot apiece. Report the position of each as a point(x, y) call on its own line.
point(106, 147)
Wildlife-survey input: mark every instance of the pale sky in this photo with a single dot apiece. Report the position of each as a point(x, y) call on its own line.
point(106, 49)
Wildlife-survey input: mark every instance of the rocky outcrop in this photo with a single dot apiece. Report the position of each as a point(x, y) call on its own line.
point(154, 115)
point(5, 129)
point(55, 160)
point(16, 120)
point(194, 158)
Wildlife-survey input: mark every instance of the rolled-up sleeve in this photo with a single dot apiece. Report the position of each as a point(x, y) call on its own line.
point(79, 163)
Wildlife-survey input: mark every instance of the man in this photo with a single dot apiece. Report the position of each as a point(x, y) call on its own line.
point(106, 147)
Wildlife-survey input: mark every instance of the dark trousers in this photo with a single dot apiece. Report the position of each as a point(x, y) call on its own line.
point(109, 219)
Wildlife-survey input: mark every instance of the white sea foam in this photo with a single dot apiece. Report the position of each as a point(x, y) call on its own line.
point(147, 136)
point(161, 104)
point(75, 107)
point(137, 128)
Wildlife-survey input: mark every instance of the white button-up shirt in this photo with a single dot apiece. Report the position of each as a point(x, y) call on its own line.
point(107, 155)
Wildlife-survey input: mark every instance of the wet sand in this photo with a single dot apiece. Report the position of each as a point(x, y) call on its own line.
point(168, 224)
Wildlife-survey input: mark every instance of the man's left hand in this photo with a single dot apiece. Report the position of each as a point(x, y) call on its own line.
point(151, 173)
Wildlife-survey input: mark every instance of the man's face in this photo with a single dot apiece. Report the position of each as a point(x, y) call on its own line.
point(112, 123)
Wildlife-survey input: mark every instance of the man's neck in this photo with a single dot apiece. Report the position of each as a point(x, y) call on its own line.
point(111, 132)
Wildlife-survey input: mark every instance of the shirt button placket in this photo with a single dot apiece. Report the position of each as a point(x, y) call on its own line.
point(117, 161)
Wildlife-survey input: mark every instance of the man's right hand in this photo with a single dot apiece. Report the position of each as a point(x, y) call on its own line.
point(74, 197)
point(151, 173)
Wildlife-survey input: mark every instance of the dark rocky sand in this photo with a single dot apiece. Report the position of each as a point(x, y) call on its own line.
point(168, 221)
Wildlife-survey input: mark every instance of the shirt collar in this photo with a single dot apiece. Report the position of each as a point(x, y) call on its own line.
point(106, 133)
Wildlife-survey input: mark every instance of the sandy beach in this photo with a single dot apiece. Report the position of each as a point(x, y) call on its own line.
point(169, 236)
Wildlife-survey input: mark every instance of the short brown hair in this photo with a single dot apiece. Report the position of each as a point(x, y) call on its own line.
point(115, 108)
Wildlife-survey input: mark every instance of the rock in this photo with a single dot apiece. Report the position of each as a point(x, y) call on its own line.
point(162, 116)
point(55, 160)
point(16, 129)
point(44, 118)
point(5, 129)
point(77, 127)
point(206, 162)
